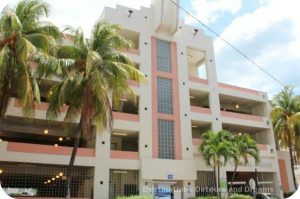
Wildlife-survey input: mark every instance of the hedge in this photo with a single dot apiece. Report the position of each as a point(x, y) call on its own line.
point(205, 197)
point(240, 196)
point(135, 197)
point(288, 194)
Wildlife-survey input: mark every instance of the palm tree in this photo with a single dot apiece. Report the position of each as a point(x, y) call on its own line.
point(97, 75)
point(286, 121)
point(245, 147)
point(216, 149)
point(23, 38)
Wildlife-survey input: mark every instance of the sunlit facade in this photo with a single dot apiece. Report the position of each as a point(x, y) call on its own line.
point(154, 142)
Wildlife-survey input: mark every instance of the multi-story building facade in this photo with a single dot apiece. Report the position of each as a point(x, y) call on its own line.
point(154, 143)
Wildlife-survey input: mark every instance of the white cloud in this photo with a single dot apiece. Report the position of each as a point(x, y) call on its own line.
point(209, 11)
point(246, 27)
point(270, 36)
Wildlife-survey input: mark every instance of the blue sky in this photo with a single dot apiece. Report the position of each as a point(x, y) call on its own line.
point(268, 31)
point(265, 30)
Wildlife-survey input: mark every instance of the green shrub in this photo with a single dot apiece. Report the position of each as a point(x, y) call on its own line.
point(135, 197)
point(240, 196)
point(205, 197)
point(288, 194)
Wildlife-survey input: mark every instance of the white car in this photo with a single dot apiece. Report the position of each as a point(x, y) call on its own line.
point(266, 196)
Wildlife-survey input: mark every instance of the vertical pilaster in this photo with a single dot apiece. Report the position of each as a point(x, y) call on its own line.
point(188, 189)
point(184, 98)
point(277, 183)
point(145, 103)
point(223, 182)
point(101, 175)
point(145, 187)
point(214, 101)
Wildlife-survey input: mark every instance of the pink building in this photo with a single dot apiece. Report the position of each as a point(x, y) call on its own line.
point(154, 143)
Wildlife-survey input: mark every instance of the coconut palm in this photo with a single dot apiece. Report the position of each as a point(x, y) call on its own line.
point(286, 121)
point(97, 75)
point(217, 149)
point(23, 38)
point(245, 147)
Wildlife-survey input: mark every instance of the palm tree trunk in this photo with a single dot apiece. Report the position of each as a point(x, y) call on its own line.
point(3, 104)
point(232, 179)
point(6, 91)
point(72, 160)
point(292, 159)
point(219, 186)
point(216, 181)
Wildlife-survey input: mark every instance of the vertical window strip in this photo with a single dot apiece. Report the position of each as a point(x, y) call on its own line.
point(164, 96)
point(163, 56)
point(166, 139)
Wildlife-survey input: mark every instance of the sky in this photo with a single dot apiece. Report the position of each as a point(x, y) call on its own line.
point(267, 31)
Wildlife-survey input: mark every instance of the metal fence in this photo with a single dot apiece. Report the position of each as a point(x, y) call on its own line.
point(123, 183)
point(205, 184)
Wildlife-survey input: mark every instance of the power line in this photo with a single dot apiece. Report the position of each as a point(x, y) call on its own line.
point(229, 44)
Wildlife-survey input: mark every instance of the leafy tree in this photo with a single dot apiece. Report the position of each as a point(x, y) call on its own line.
point(217, 149)
point(94, 74)
point(23, 38)
point(245, 147)
point(286, 123)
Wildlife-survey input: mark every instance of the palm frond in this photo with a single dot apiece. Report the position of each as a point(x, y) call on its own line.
point(41, 41)
point(30, 11)
point(93, 60)
point(70, 52)
point(4, 61)
point(27, 90)
point(24, 49)
point(10, 24)
point(47, 28)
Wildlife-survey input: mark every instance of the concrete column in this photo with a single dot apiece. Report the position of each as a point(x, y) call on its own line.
point(145, 187)
point(145, 104)
point(188, 189)
point(277, 184)
point(184, 98)
point(214, 104)
point(214, 101)
point(223, 182)
point(101, 175)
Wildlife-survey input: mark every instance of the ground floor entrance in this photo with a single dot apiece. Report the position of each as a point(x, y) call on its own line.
point(248, 182)
point(168, 190)
point(45, 180)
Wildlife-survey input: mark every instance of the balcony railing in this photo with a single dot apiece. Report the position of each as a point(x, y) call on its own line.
point(48, 149)
point(197, 141)
point(133, 83)
point(263, 147)
point(267, 150)
point(15, 109)
point(126, 116)
point(239, 89)
point(203, 110)
point(128, 155)
point(242, 116)
point(132, 51)
point(198, 80)
point(38, 106)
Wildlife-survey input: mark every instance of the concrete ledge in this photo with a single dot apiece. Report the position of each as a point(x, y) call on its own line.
point(163, 169)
